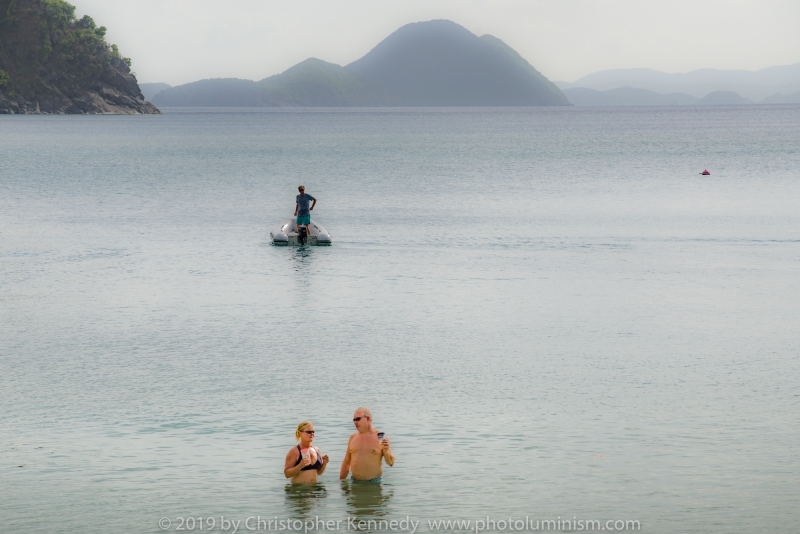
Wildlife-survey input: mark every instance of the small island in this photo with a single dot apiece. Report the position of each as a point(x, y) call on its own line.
point(53, 63)
point(432, 63)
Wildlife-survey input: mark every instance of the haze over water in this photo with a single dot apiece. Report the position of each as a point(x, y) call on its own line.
point(549, 311)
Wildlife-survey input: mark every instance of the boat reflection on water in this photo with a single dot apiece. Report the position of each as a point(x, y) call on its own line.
point(303, 499)
point(366, 499)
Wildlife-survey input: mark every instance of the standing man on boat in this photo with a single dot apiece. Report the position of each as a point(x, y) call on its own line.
point(365, 451)
point(301, 209)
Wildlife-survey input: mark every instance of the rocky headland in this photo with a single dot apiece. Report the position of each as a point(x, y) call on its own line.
point(53, 63)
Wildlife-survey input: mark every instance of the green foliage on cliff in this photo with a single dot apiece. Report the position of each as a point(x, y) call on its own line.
point(42, 39)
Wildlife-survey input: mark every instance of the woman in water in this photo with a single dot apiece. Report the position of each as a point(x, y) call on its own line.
point(304, 468)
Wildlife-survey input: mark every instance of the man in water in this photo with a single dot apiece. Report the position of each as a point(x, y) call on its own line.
point(365, 453)
point(301, 209)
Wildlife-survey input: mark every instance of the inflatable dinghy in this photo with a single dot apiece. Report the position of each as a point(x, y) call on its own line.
point(287, 234)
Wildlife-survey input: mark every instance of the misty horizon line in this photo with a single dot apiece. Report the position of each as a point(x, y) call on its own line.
point(554, 80)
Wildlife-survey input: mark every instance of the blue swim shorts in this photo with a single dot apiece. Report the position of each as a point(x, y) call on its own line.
point(304, 219)
point(371, 481)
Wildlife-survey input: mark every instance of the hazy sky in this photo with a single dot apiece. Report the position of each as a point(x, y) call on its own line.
point(179, 41)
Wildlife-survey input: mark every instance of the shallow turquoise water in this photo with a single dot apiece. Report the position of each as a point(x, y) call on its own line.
point(549, 311)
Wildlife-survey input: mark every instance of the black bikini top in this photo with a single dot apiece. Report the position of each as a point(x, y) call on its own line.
point(316, 465)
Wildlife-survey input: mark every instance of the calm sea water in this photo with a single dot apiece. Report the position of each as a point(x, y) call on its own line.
point(551, 314)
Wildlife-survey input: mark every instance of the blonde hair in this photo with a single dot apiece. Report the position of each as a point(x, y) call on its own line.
point(302, 426)
point(366, 411)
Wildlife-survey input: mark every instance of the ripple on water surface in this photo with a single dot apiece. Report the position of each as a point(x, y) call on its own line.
point(549, 311)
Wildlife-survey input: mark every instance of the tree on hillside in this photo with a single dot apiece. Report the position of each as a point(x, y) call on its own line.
point(38, 37)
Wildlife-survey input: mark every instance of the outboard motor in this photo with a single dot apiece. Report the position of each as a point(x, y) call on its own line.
point(302, 235)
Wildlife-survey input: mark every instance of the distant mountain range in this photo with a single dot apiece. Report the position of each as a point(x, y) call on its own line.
point(626, 96)
point(434, 63)
point(651, 87)
point(793, 98)
point(149, 90)
point(630, 96)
